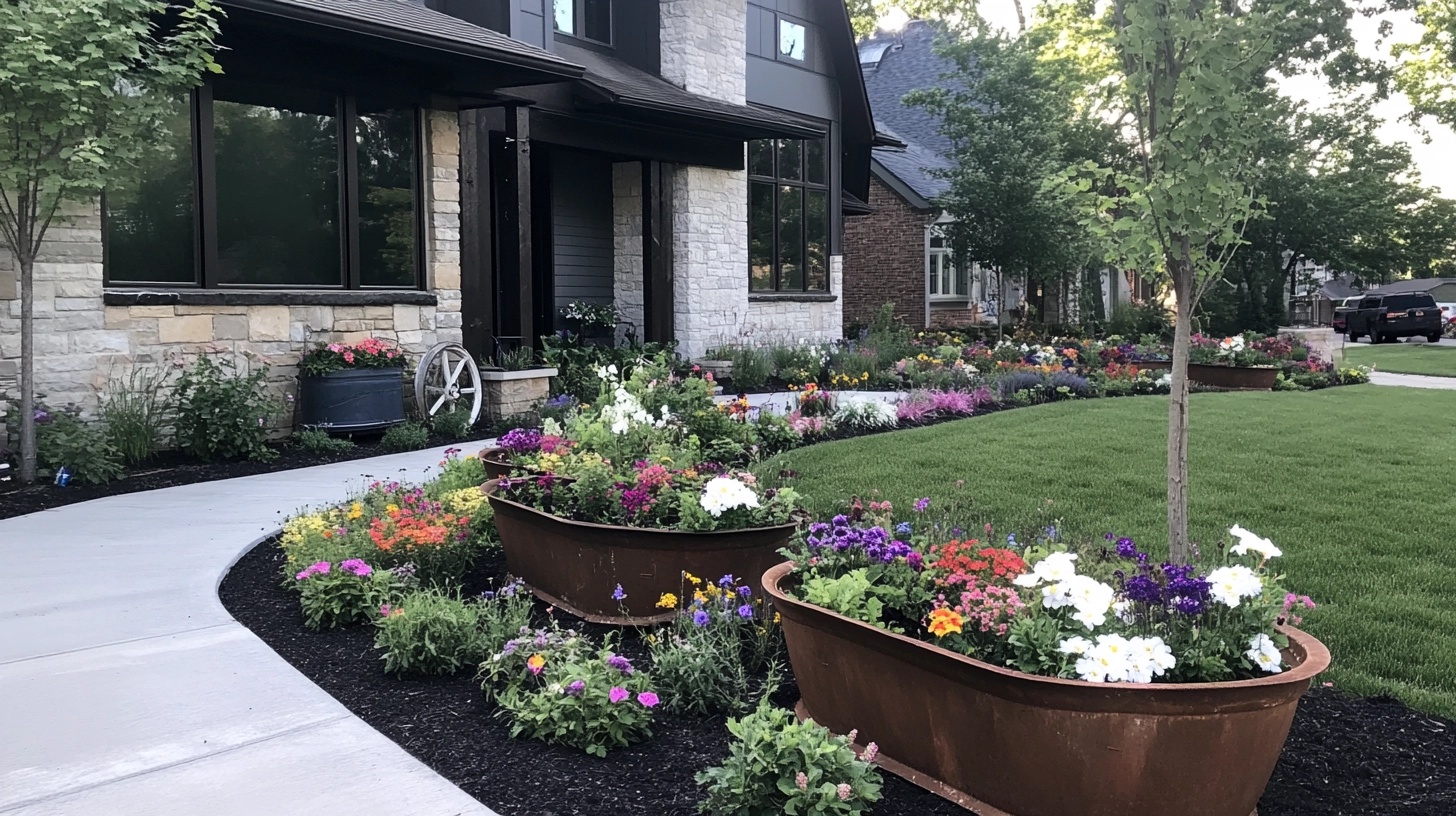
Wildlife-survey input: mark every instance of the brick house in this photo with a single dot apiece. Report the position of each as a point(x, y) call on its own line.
point(895, 253)
point(457, 170)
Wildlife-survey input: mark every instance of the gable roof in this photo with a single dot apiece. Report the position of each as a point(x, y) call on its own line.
point(1413, 285)
point(893, 65)
point(405, 23)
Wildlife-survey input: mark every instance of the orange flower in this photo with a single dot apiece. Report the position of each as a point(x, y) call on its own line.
point(535, 663)
point(944, 622)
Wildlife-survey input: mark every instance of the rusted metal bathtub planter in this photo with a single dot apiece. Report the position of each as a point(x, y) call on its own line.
point(1231, 378)
point(497, 462)
point(576, 565)
point(1011, 744)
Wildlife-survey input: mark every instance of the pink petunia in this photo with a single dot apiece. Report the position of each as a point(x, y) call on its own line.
point(647, 699)
point(618, 694)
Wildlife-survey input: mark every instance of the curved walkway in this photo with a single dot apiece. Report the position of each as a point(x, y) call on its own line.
point(126, 688)
point(1413, 380)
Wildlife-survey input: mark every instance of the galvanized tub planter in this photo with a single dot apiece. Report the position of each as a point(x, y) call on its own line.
point(1006, 743)
point(356, 399)
point(577, 565)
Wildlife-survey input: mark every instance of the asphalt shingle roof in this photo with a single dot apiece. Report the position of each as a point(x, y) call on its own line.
point(1413, 285)
point(407, 22)
point(909, 63)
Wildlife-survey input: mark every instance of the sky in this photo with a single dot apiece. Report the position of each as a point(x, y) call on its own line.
point(1435, 160)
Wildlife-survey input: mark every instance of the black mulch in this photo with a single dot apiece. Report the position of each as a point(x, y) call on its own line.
point(173, 468)
point(1346, 756)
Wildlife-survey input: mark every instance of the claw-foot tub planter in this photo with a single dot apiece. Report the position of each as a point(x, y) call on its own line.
point(569, 540)
point(344, 388)
point(1009, 743)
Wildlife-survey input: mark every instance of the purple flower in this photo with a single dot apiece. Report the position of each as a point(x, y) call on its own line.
point(903, 528)
point(521, 440)
point(726, 581)
point(618, 694)
point(921, 505)
point(700, 618)
point(357, 567)
point(1187, 606)
point(1125, 548)
point(745, 611)
point(316, 568)
point(1143, 589)
point(744, 591)
point(636, 500)
point(620, 663)
point(574, 688)
point(915, 560)
point(618, 594)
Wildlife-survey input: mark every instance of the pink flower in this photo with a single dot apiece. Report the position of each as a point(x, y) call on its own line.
point(618, 694)
point(844, 791)
point(870, 752)
point(348, 356)
point(647, 699)
point(385, 609)
point(316, 568)
point(853, 734)
point(801, 780)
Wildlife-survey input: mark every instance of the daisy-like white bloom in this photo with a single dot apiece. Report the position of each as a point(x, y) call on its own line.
point(1092, 598)
point(1230, 585)
point(1057, 567)
point(1075, 645)
point(1264, 654)
point(1150, 657)
point(1106, 662)
point(723, 493)
point(1249, 542)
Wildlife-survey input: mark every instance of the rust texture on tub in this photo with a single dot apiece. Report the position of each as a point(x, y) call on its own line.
point(1005, 742)
point(577, 565)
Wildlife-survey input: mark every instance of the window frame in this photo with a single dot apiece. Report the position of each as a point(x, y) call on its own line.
point(779, 55)
point(204, 205)
point(945, 271)
point(578, 20)
point(805, 187)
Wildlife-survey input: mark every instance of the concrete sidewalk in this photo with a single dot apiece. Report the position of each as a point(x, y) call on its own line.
point(126, 688)
point(1413, 380)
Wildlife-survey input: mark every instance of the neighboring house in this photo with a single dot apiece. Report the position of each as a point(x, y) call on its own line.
point(1314, 304)
point(458, 170)
point(897, 253)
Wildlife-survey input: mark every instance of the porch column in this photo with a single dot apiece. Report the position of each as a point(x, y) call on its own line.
point(513, 203)
point(657, 255)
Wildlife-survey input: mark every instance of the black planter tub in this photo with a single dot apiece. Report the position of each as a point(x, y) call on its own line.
point(359, 399)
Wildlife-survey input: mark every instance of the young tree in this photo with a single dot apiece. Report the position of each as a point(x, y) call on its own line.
point(82, 85)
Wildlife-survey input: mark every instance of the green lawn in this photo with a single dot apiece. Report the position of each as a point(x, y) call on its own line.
point(1405, 358)
point(1353, 483)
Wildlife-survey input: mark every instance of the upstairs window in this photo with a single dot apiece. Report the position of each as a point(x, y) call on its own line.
point(586, 19)
point(793, 40)
point(271, 187)
point(788, 224)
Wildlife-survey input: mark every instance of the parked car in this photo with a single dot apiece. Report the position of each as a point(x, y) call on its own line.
point(1342, 310)
point(1448, 312)
point(1391, 317)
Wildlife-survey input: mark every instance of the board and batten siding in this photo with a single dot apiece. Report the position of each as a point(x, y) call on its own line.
point(581, 226)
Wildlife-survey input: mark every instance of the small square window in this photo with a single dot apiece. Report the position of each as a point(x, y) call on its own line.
point(563, 16)
point(792, 38)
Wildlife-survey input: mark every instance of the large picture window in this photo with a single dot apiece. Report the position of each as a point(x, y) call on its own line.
point(271, 188)
point(788, 216)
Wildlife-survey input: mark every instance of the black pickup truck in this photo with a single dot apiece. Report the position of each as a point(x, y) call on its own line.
point(1391, 317)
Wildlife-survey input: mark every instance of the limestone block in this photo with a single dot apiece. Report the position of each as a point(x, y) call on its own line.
point(212, 310)
point(185, 329)
point(268, 323)
point(348, 313)
point(406, 318)
point(448, 320)
point(349, 326)
point(99, 341)
point(117, 317)
point(73, 321)
point(445, 275)
point(151, 311)
point(75, 304)
point(445, 191)
point(78, 289)
point(230, 327)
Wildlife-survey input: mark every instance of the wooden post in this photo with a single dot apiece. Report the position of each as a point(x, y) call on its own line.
point(477, 257)
point(513, 212)
point(657, 260)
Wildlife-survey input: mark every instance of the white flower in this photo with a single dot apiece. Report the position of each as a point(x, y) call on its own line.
point(1056, 596)
point(620, 425)
point(1059, 566)
point(1264, 654)
point(1124, 611)
point(1106, 662)
point(612, 369)
point(1075, 645)
point(1230, 585)
point(1092, 598)
point(1249, 542)
point(723, 493)
point(1148, 657)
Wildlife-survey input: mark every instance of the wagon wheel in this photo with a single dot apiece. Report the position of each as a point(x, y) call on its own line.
point(446, 379)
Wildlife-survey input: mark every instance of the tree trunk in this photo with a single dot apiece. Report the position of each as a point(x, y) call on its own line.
point(1020, 17)
point(27, 366)
point(1179, 550)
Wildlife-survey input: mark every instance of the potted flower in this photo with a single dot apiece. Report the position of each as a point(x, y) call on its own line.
point(595, 322)
point(1232, 363)
point(527, 449)
point(1012, 680)
point(355, 387)
point(607, 545)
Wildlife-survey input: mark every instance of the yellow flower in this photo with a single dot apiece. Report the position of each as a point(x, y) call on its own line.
point(667, 601)
point(690, 578)
point(700, 596)
point(355, 510)
point(391, 508)
point(944, 622)
point(535, 663)
point(776, 617)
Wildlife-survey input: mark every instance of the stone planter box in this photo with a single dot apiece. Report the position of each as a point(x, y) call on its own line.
point(576, 565)
point(721, 369)
point(508, 393)
point(1010, 744)
point(1230, 378)
point(360, 399)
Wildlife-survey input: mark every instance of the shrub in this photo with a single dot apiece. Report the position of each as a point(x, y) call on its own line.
point(504, 613)
point(752, 367)
point(720, 654)
point(408, 436)
point(563, 693)
point(453, 424)
point(430, 632)
point(456, 473)
point(349, 592)
point(318, 441)
point(222, 411)
point(64, 441)
point(778, 766)
point(134, 411)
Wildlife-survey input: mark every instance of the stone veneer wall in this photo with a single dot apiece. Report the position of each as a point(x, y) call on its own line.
point(627, 243)
point(79, 340)
point(704, 51)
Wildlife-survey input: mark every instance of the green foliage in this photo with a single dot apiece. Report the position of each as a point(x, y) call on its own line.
point(778, 766)
point(222, 409)
point(452, 424)
point(317, 441)
point(850, 594)
point(134, 411)
point(431, 631)
point(720, 654)
point(752, 366)
point(457, 473)
point(341, 597)
point(1137, 320)
point(65, 441)
point(407, 436)
point(1426, 70)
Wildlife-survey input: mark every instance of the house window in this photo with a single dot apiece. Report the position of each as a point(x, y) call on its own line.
point(271, 188)
point(587, 19)
point(792, 40)
point(947, 280)
point(788, 224)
